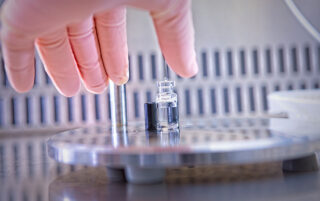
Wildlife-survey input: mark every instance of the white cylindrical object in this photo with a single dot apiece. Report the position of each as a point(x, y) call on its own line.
point(301, 105)
point(302, 108)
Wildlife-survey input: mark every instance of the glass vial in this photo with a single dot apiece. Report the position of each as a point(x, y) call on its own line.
point(167, 106)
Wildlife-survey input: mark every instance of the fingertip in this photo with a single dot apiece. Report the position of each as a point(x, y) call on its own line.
point(175, 31)
point(97, 89)
point(190, 71)
point(111, 32)
point(69, 93)
point(18, 56)
point(69, 88)
point(21, 78)
point(22, 87)
point(121, 81)
point(120, 78)
point(58, 59)
point(95, 81)
point(184, 63)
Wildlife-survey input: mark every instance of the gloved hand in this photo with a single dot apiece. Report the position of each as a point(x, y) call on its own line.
point(87, 39)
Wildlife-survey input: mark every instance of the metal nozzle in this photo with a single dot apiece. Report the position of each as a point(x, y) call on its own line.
point(118, 105)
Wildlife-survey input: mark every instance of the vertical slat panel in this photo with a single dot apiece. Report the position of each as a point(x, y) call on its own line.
point(241, 76)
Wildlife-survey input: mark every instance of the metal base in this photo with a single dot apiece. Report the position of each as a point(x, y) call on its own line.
point(303, 164)
point(139, 175)
point(136, 175)
point(116, 174)
point(145, 155)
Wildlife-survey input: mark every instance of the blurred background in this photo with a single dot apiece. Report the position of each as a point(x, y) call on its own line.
point(245, 50)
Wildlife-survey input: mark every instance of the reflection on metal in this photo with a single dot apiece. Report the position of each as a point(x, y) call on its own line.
point(226, 182)
point(118, 105)
point(138, 175)
point(229, 142)
point(165, 138)
point(92, 185)
point(119, 135)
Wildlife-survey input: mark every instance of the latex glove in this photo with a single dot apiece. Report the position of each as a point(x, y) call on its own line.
point(87, 39)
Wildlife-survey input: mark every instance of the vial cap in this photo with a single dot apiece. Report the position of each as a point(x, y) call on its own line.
point(166, 83)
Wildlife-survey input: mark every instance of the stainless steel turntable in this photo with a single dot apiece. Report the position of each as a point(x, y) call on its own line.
point(202, 142)
point(141, 156)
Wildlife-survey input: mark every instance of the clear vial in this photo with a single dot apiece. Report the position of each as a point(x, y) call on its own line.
point(167, 106)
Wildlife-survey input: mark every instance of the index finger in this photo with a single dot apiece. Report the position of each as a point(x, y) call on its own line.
point(18, 53)
point(174, 27)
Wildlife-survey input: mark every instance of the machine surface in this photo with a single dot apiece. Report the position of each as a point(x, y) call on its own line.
point(203, 142)
point(222, 175)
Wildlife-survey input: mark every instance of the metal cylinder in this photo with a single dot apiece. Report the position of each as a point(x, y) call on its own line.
point(118, 105)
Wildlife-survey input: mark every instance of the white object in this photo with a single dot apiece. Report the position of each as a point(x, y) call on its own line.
point(298, 104)
point(302, 108)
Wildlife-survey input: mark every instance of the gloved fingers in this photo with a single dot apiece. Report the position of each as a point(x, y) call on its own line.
point(174, 28)
point(111, 32)
point(82, 37)
point(18, 53)
point(56, 53)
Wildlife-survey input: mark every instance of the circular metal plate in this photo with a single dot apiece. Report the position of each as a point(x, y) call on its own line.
point(218, 141)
